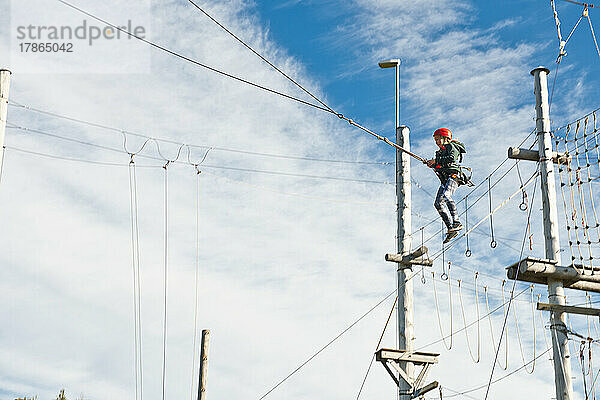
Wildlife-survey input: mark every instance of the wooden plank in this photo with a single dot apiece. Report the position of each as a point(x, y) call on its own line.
point(417, 257)
point(537, 278)
point(416, 357)
point(568, 309)
point(534, 155)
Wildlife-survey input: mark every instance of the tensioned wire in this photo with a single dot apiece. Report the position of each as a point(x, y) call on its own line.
point(177, 160)
point(178, 55)
point(169, 141)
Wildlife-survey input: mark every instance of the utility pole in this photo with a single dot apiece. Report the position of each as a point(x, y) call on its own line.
point(549, 271)
point(403, 196)
point(203, 364)
point(405, 284)
point(404, 359)
point(4, 89)
point(562, 362)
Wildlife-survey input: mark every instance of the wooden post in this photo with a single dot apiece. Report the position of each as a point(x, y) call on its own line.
point(4, 89)
point(561, 357)
point(405, 286)
point(203, 364)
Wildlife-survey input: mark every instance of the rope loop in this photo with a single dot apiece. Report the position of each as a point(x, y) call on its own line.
point(523, 206)
point(444, 275)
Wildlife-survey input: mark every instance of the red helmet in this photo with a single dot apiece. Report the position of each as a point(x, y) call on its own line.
point(443, 132)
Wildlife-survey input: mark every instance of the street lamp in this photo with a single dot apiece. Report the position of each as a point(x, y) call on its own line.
point(394, 63)
point(403, 195)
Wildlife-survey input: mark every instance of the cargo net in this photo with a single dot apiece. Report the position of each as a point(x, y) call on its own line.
point(579, 172)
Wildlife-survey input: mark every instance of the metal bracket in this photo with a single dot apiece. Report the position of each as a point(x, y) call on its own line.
point(393, 358)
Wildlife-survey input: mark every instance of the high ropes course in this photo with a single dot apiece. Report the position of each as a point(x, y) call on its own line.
point(579, 179)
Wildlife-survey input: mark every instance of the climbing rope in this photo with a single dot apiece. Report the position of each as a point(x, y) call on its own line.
point(468, 250)
point(478, 358)
point(493, 242)
point(437, 308)
point(362, 385)
point(166, 276)
point(196, 285)
point(487, 309)
point(135, 251)
point(519, 331)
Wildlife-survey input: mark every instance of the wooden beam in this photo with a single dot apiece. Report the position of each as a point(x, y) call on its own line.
point(417, 257)
point(538, 270)
point(534, 155)
point(569, 309)
point(416, 357)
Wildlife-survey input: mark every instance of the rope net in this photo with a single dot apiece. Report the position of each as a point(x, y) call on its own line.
point(579, 174)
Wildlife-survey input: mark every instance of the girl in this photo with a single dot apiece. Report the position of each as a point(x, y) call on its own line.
point(446, 166)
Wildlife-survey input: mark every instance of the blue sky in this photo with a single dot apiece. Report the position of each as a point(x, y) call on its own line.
point(286, 261)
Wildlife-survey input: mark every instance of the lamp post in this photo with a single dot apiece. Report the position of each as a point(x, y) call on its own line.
point(403, 195)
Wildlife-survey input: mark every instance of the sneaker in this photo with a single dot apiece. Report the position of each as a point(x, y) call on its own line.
point(457, 226)
point(450, 235)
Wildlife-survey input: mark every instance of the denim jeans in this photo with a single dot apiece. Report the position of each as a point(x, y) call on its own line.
point(444, 204)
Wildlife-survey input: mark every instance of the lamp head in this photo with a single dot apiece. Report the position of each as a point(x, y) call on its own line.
point(390, 63)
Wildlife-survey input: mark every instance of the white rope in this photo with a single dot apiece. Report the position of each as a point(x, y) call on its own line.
point(166, 284)
point(519, 332)
point(478, 358)
point(561, 43)
point(487, 308)
point(437, 308)
point(197, 283)
point(135, 251)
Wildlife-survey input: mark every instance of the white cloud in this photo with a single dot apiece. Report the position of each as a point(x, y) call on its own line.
point(280, 275)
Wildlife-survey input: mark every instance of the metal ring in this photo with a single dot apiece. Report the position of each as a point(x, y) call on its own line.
point(468, 253)
point(493, 244)
point(444, 276)
point(523, 206)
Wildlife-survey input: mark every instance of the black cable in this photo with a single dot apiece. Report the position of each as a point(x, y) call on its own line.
point(261, 57)
point(327, 345)
point(125, 132)
point(511, 296)
point(120, 151)
point(195, 62)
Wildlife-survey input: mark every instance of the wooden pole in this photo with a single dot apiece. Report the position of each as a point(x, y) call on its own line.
point(203, 364)
point(4, 89)
point(561, 357)
point(405, 286)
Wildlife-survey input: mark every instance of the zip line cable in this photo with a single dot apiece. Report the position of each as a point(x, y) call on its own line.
point(498, 379)
point(376, 348)
point(225, 149)
point(191, 60)
point(530, 209)
point(330, 342)
point(178, 55)
point(261, 57)
point(177, 160)
point(229, 180)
